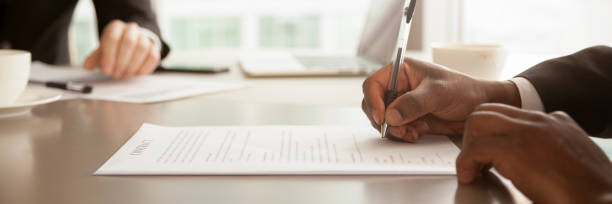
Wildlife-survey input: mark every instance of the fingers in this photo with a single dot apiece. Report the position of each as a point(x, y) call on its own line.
point(409, 133)
point(428, 124)
point(92, 60)
point(487, 140)
point(374, 88)
point(438, 126)
point(138, 57)
point(126, 49)
point(522, 146)
point(366, 111)
point(109, 43)
point(410, 76)
point(374, 92)
point(411, 106)
point(477, 155)
point(563, 116)
point(151, 62)
point(511, 111)
point(488, 123)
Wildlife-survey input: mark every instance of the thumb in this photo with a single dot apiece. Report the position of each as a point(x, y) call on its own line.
point(411, 106)
point(93, 60)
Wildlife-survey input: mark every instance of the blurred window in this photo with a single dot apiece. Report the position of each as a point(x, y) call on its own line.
point(322, 26)
point(205, 32)
point(297, 32)
point(542, 26)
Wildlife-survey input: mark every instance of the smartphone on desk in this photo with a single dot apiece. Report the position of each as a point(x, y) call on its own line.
point(193, 69)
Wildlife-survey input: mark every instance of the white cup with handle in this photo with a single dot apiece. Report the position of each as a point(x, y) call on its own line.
point(485, 61)
point(14, 74)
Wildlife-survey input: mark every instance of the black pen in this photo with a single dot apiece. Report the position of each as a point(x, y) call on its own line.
point(402, 42)
point(69, 86)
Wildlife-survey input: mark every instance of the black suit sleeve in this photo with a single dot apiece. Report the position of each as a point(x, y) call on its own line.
point(139, 11)
point(579, 84)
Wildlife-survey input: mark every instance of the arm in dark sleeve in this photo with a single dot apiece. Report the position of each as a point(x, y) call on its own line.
point(138, 11)
point(579, 84)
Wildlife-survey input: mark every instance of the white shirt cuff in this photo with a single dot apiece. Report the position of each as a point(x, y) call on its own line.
point(154, 38)
point(530, 99)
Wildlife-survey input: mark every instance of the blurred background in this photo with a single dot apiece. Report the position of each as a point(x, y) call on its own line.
point(202, 27)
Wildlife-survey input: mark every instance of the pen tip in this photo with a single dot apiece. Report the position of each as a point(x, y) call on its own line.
point(383, 130)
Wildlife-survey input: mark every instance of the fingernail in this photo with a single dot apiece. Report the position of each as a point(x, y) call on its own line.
point(411, 135)
point(395, 131)
point(376, 117)
point(394, 116)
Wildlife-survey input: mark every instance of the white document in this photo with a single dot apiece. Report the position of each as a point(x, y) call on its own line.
point(144, 89)
point(277, 150)
point(151, 89)
point(41, 72)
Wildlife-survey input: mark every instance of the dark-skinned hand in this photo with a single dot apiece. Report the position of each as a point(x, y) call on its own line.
point(548, 157)
point(433, 99)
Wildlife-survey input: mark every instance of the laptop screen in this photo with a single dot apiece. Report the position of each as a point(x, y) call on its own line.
point(380, 31)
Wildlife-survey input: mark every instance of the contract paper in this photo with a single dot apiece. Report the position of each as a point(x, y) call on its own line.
point(151, 89)
point(277, 150)
point(144, 89)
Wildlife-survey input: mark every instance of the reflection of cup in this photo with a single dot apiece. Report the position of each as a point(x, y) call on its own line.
point(485, 61)
point(14, 73)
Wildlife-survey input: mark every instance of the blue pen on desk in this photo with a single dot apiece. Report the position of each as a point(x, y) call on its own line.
point(402, 42)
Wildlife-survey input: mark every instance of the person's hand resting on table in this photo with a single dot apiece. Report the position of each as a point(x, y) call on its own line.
point(432, 99)
point(548, 157)
point(125, 51)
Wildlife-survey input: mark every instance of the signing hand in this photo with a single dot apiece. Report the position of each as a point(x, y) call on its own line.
point(124, 51)
point(548, 157)
point(433, 99)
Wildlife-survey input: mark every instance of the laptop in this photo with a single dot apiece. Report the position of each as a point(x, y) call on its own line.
point(376, 48)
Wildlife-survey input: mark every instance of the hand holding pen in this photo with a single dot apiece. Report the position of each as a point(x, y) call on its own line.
point(402, 41)
point(431, 99)
point(409, 98)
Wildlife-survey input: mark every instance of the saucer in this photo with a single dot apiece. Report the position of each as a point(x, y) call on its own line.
point(29, 98)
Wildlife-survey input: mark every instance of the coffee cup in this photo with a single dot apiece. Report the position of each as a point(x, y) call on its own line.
point(484, 61)
point(14, 73)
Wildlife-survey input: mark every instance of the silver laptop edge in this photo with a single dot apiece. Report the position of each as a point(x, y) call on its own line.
point(379, 34)
point(376, 48)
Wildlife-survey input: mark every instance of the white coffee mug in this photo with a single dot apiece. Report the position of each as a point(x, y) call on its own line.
point(14, 73)
point(485, 61)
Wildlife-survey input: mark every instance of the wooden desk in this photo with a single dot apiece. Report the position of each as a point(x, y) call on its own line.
point(49, 156)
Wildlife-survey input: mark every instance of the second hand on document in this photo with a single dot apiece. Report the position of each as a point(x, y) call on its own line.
point(402, 41)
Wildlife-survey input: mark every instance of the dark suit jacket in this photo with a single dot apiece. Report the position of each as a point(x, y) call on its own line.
point(579, 84)
point(41, 26)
